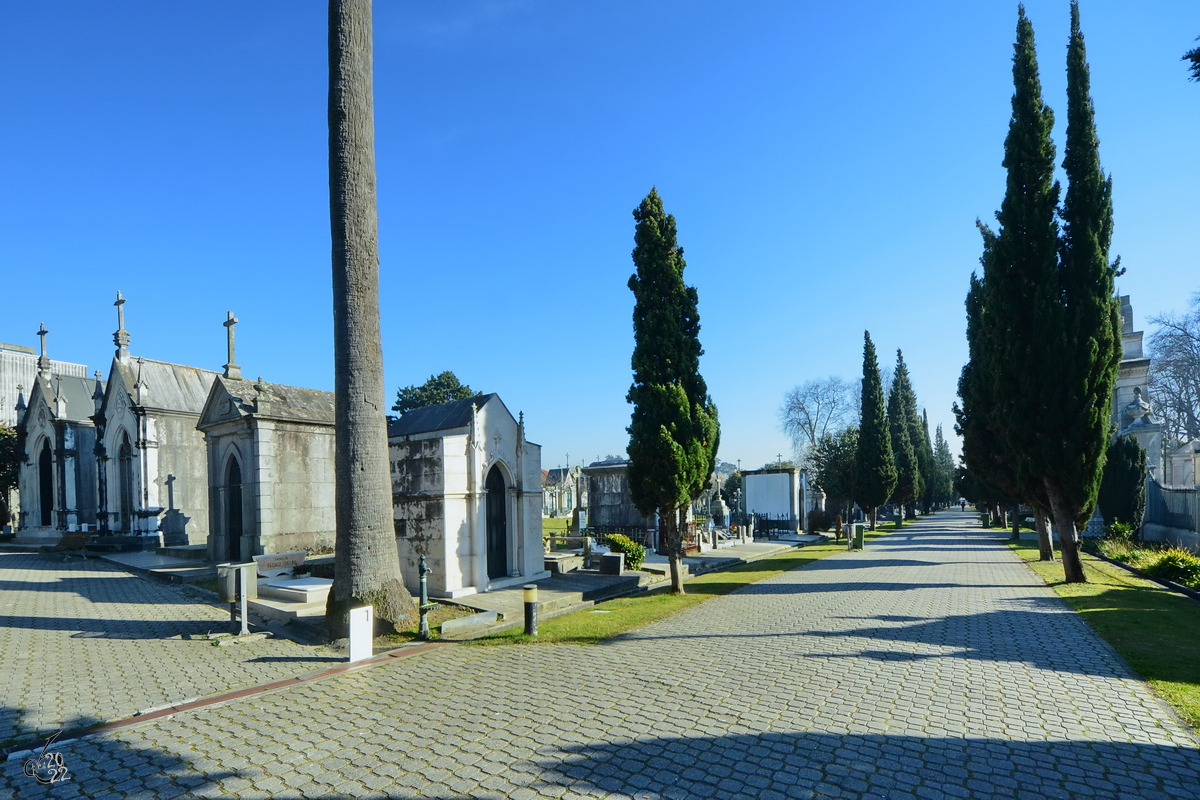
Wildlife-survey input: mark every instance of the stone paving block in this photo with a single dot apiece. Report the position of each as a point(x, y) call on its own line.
point(902, 672)
point(83, 642)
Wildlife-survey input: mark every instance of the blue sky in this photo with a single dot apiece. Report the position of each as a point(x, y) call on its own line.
point(826, 163)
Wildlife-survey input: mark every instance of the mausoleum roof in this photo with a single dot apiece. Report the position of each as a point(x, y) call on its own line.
point(76, 391)
point(444, 416)
point(169, 387)
point(286, 402)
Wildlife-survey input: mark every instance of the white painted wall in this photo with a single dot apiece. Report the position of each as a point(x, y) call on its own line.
point(770, 494)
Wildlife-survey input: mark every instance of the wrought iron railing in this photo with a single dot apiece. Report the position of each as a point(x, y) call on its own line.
point(769, 526)
point(637, 533)
point(1173, 508)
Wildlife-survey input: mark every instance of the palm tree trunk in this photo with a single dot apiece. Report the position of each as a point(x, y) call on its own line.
point(367, 567)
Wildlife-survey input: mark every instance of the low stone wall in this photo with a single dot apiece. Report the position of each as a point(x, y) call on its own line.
point(1176, 537)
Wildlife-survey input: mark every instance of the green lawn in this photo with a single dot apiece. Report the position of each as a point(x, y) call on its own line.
point(595, 625)
point(1152, 628)
point(556, 525)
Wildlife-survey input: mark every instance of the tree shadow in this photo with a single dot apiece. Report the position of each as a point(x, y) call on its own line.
point(103, 766)
point(873, 586)
point(104, 582)
point(821, 765)
point(995, 636)
point(866, 562)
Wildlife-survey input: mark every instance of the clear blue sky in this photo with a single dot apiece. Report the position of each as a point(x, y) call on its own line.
point(826, 163)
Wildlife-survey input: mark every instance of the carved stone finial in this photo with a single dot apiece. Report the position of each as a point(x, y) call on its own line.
point(232, 370)
point(121, 337)
point(1138, 412)
point(43, 361)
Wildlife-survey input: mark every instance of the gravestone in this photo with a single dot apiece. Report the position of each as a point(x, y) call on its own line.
point(278, 564)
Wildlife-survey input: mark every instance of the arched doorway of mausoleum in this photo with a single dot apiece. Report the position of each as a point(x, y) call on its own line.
point(497, 524)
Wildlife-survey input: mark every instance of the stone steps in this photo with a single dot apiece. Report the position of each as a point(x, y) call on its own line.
point(185, 552)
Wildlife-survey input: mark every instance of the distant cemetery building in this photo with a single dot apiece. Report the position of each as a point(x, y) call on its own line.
point(152, 465)
point(270, 453)
point(779, 495)
point(1181, 467)
point(56, 476)
point(561, 489)
point(18, 366)
point(610, 506)
point(467, 495)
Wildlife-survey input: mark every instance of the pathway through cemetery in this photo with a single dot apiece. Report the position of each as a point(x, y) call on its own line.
point(933, 665)
point(83, 642)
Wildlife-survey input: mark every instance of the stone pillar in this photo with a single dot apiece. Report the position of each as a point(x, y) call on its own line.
point(261, 525)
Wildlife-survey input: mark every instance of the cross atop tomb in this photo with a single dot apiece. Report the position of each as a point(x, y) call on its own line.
point(43, 361)
point(121, 337)
point(232, 370)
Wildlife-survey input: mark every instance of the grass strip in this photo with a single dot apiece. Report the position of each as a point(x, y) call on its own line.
point(1151, 627)
point(614, 617)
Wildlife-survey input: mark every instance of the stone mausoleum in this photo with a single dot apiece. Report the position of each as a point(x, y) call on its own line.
point(271, 451)
point(270, 468)
point(467, 495)
point(56, 478)
point(780, 493)
point(152, 467)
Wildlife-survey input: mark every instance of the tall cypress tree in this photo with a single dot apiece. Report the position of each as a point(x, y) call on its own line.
point(673, 433)
point(918, 434)
point(1122, 495)
point(908, 471)
point(1011, 310)
point(874, 462)
point(945, 468)
point(1078, 364)
point(929, 475)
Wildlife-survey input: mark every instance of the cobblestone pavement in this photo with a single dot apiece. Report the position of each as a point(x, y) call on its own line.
point(82, 641)
point(934, 665)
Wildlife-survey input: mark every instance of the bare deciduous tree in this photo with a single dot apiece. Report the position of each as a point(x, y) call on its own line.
point(1175, 372)
point(814, 409)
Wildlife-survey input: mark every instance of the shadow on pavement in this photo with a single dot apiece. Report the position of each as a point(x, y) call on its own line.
point(106, 767)
point(664, 767)
point(805, 765)
point(102, 583)
point(995, 636)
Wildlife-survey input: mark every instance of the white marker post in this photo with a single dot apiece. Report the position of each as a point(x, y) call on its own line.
point(362, 633)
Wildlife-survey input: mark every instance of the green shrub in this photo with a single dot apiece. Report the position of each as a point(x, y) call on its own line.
point(1119, 549)
point(818, 520)
point(635, 554)
point(1180, 566)
point(1119, 530)
point(1156, 560)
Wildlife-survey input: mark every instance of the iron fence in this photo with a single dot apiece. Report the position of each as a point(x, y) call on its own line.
point(770, 526)
point(639, 534)
point(1173, 508)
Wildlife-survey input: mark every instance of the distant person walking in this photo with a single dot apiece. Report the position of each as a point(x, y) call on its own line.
point(962, 504)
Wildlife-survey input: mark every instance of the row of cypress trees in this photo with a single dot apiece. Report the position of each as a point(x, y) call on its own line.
point(1043, 327)
point(895, 459)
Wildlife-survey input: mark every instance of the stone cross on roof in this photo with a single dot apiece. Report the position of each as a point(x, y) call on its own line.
point(232, 370)
point(121, 337)
point(43, 361)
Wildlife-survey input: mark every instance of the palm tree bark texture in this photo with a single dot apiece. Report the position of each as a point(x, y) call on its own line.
point(367, 567)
